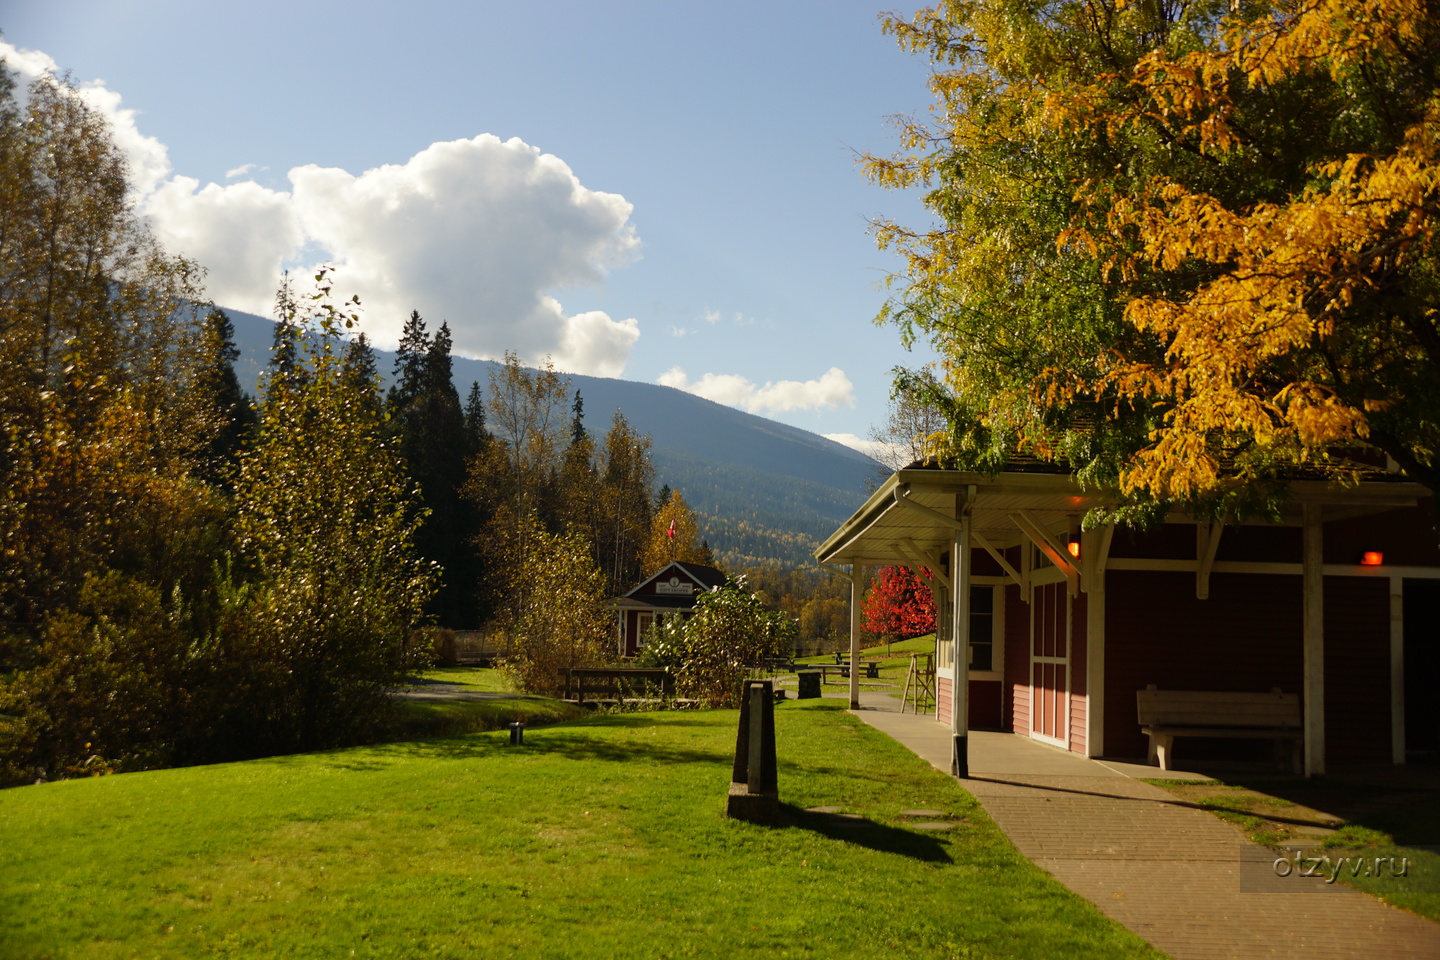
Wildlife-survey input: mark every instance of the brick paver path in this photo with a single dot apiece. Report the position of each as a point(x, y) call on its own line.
point(1169, 872)
point(1172, 874)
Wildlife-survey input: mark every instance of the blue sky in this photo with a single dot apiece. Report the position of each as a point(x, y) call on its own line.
point(664, 192)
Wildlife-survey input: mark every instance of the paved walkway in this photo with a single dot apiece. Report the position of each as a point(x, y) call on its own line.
point(1169, 872)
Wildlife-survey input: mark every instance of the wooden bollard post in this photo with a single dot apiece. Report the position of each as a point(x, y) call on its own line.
point(754, 781)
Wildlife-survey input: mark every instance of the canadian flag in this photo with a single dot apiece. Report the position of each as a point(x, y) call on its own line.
point(671, 531)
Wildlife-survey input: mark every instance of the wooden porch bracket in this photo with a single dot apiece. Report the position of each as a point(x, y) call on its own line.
point(999, 558)
point(902, 497)
point(1207, 541)
point(930, 562)
point(1050, 547)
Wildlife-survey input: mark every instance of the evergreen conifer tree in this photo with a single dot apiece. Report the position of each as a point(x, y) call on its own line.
point(234, 412)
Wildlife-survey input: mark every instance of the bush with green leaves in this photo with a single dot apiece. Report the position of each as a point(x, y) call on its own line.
point(711, 652)
point(557, 615)
point(326, 522)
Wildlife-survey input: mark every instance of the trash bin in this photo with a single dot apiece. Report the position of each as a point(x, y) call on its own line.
point(809, 684)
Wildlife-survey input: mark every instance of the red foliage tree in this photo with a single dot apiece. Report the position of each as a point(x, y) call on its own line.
point(898, 605)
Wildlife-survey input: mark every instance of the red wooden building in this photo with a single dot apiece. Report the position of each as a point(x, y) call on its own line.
point(672, 591)
point(1338, 602)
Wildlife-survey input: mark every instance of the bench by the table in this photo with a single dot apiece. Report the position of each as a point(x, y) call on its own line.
point(1167, 714)
point(616, 683)
point(842, 670)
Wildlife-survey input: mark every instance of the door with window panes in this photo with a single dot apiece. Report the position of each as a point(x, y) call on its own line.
point(1050, 627)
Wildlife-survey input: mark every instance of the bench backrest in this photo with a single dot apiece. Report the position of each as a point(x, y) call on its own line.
point(1203, 708)
point(616, 681)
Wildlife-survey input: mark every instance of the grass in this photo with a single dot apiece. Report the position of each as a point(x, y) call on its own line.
point(486, 679)
point(456, 716)
point(426, 719)
point(894, 663)
point(601, 838)
point(1375, 812)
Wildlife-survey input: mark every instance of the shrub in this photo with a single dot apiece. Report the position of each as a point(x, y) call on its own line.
point(557, 615)
point(711, 652)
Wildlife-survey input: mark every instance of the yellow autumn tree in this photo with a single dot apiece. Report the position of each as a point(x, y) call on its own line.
point(674, 535)
point(1185, 247)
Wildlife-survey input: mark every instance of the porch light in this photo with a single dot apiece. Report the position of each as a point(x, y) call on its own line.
point(1372, 558)
point(1074, 548)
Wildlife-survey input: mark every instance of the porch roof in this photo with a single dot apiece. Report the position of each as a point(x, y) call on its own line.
point(911, 518)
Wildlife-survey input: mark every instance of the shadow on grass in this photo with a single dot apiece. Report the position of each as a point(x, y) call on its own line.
point(570, 745)
point(866, 833)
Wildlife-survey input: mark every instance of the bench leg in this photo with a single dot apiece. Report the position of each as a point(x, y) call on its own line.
point(1162, 743)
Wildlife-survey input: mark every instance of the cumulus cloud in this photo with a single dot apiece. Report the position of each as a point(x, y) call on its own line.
point(832, 389)
point(242, 233)
point(482, 233)
point(477, 232)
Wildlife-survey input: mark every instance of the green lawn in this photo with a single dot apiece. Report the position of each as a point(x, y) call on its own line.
point(600, 838)
point(456, 716)
point(471, 678)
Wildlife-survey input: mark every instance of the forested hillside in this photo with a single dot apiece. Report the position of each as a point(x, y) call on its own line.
point(767, 492)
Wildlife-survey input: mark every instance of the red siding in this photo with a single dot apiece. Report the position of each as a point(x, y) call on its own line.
point(985, 699)
point(1017, 658)
point(1406, 537)
point(1357, 670)
point(632, 630)
point(1077, 674)
point(1245, 637)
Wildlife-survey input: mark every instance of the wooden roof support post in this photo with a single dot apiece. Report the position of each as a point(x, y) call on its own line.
point(1312, 570)
point(857, 574)
point(960, 621)
point(1207, 541)
point(1094, 552)
point(1397, 669)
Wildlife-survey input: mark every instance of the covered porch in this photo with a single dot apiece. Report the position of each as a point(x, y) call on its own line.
point(1048, 631)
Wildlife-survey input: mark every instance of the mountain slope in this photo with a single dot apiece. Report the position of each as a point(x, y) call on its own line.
point(769, 490)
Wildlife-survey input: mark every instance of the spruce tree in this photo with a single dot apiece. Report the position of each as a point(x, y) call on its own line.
point(234, 412)
point(435, 442)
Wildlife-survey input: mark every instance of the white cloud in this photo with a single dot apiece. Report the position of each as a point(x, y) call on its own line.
point(830, 390)
point(480, 233)
point(148, 157)
point(476, 232)
point(241, 232)
point(595, 344)
point(738, 319)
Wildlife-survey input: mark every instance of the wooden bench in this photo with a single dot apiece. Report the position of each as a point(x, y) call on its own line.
point(1167, 714)
point(616, 684)
point(842, 669)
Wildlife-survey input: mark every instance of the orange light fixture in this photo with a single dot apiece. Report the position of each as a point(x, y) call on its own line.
point(1074, 547)
point(1372, 558)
